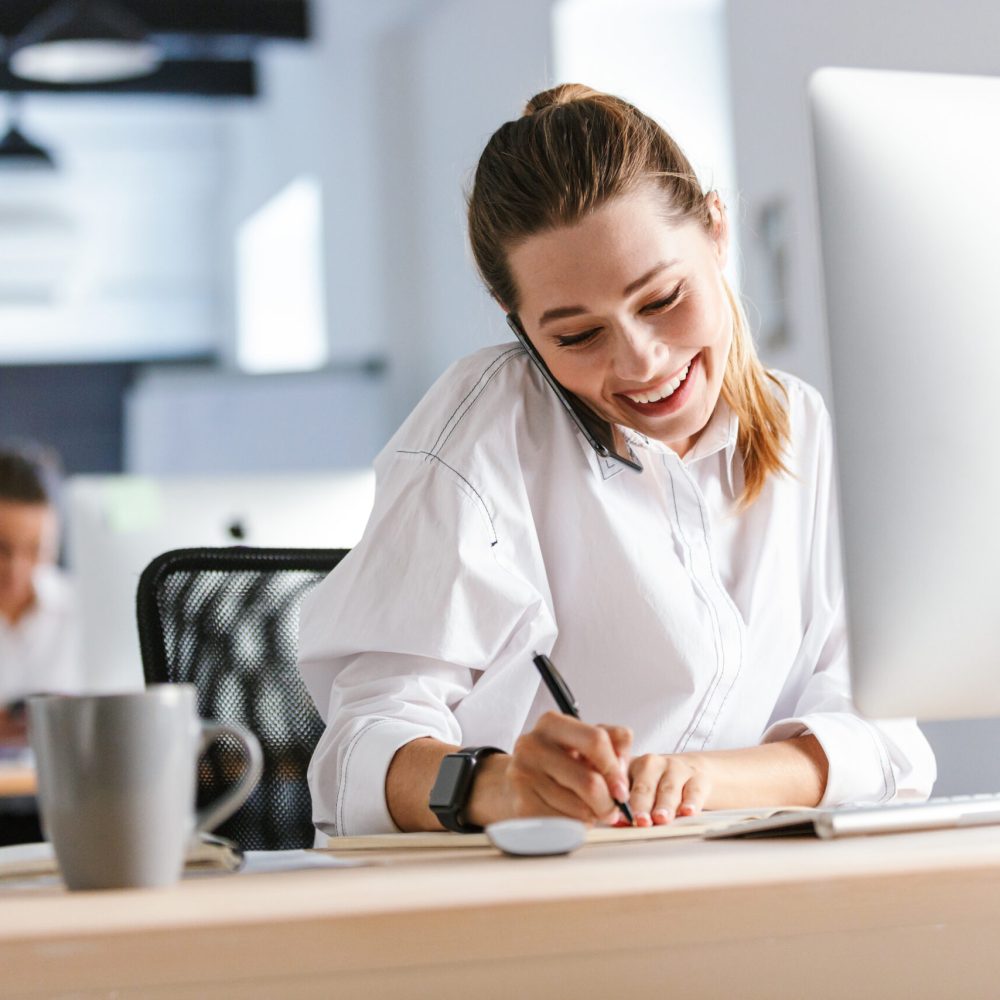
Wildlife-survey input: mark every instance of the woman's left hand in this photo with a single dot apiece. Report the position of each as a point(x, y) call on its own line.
point(667, 785)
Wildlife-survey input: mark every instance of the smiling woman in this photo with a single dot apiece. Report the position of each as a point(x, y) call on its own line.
point(690, 593)
point(638, 249)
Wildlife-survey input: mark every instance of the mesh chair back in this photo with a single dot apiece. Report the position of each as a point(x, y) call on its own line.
point(226, 621)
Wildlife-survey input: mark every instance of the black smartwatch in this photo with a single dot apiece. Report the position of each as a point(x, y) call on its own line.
point(450, 794)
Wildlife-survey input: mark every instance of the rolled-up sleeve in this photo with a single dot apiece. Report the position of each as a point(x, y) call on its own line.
point(378, 703)
point(394, 639)
point(870, 761)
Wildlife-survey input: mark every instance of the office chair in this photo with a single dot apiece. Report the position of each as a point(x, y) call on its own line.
point(226, 621)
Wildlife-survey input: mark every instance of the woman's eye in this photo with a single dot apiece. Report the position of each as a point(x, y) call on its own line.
point(659, 304)
point(577, 338)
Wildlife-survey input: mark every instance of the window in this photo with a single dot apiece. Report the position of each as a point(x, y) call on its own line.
point(280, 304)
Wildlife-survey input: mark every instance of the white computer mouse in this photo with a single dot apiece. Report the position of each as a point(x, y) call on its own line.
point(540, 835)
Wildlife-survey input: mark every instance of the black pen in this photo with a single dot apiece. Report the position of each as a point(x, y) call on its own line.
point(567, 705)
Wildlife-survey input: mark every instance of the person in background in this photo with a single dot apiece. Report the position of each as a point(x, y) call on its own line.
point(39, 635)
point(689, 592)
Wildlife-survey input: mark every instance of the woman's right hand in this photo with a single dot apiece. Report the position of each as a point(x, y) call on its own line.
point(562, 767)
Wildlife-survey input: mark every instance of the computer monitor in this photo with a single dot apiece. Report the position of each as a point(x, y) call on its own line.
point(908, 178)
point(116, 525)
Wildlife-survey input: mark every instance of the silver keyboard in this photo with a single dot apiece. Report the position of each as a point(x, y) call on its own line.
point(852, 821)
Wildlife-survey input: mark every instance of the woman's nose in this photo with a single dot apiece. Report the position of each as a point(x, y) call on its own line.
point(638, 354)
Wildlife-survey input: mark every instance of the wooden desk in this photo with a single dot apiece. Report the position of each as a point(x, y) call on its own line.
point(915, 916)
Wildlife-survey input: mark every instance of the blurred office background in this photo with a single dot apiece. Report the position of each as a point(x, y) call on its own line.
point(253, 259)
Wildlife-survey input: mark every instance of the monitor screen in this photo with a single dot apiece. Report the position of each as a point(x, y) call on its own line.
point(116, 525)
point(907, 169)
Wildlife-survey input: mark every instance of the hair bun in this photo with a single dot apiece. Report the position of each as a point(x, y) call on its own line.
point(565, 93)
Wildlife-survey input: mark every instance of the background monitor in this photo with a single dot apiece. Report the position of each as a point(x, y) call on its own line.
point(908, 175)
point(117, 524)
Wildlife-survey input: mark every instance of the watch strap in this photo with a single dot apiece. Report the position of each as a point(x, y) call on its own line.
point(452, 816)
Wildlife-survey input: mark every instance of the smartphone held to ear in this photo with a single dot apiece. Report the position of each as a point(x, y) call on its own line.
point(599, 433)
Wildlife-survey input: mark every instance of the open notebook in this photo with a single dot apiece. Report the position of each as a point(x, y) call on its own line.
point(827, 824)
point(687, 826)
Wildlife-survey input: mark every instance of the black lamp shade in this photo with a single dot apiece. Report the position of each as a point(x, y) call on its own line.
point(18, 151)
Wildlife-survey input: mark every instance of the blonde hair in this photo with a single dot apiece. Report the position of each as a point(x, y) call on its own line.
point(573, 150)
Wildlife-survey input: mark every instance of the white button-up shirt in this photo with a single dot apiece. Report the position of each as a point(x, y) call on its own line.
point(498, 532)
point(41, 653)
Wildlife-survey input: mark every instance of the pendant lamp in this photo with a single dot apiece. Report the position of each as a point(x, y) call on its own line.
point(17, 151)
point(84, 41)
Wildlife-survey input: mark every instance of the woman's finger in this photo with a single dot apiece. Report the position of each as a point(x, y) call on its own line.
point(539, 757)
point(670, 790)
point(645, 773)
point(543, 796)
point(694, 796)
point(621, 740)
point(592, 743)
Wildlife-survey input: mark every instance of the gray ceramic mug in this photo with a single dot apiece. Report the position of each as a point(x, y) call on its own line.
point(117, 781)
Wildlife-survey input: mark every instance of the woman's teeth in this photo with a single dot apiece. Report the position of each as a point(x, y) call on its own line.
point(664, 391)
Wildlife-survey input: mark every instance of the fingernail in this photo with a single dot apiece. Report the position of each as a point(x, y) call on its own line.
point(619, 790)
point(663, 815)
point(643, 819)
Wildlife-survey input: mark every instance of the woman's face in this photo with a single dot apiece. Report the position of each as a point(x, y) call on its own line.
point(630, 313)
point(27, 537)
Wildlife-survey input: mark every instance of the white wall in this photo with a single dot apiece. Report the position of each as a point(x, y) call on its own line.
point(317, 115)
point(448, 79)
point(774, 46)
point(114, 254)
point(389, 107)
point(209, 422)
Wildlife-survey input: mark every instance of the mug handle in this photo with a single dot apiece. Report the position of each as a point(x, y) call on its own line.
point(229, 801)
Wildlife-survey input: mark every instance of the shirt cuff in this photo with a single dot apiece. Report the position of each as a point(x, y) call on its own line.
point(361, 803)
point(859, 769)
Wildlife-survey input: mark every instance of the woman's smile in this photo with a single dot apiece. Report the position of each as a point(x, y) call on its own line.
point(667, 397)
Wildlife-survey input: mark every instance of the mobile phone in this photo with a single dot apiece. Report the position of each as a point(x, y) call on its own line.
point(598, 432)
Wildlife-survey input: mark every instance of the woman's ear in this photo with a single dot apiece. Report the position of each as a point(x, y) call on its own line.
point(718, 226)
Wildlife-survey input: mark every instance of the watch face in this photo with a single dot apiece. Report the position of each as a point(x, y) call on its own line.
point(449, 787)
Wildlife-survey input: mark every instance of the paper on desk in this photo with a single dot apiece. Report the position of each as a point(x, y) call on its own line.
point(685, 826)
point(27, 860)
point(33, 861)
point(256, 862)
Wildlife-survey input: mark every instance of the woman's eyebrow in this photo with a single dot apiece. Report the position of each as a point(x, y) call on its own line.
point(648, 276)
point(562, 312)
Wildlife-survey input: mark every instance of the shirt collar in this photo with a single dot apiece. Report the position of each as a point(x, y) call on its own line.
point(721, 433)
point(51, 589)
